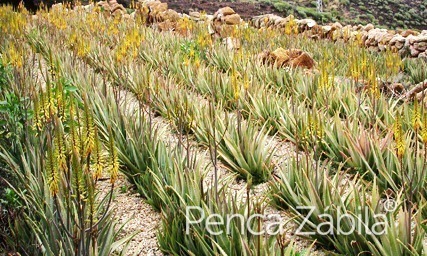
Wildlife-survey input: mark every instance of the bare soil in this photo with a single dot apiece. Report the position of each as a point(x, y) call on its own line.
point(244, 9)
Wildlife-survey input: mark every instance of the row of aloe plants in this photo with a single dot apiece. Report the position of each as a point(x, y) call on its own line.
point(53, 159)
point(242, 149)
point(166, 178)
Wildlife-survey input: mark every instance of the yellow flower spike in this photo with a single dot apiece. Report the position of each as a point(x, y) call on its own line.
point(52, 172)
point(399, 137)
point(98, 158)
point(424, 130)
point(246, 82)
point(416, 117)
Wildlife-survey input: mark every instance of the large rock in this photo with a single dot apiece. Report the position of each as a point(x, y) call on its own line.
point(156, 7)
point(169, 14)
point(233, 19)
point(307, 22)
point(288, 58)
point(224, 21)
point(414, 52)
point(397, 42)
point(421, 46)
point(111, 8)
point(224, 12)
point(420, 38)
point(406, 33)
point(368, 27)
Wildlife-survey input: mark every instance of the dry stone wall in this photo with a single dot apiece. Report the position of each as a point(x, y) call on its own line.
point(408, 43)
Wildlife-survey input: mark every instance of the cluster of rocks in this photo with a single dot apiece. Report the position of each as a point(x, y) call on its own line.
point(406, 42)
point(224, 22)
point(288, 58)
point(157, 12)
point(111, 8)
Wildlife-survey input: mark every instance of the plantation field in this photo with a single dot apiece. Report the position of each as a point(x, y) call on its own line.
point(118, 138)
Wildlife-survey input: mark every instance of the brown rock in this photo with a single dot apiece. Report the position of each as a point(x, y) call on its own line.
point(385, 39)
point(156, 7)
point(421, 46)
point(336, 26)
point(414, 52)
point(288, 58)
point(369, 27)
point(232, 19)
point(408, 32)
point(169, 14)
point(420, 38)
point(280, 56)
point(224, 12)
point(304, 60)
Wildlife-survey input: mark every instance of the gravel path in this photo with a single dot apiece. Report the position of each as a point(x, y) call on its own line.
point(136, 215)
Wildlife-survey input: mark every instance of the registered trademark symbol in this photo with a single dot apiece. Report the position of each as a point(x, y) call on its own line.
point(390, 205)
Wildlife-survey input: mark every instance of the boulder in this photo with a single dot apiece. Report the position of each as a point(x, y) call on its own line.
point(196, 16)
point(414, 52)
point(420, 46)
point(233, 19)
point(307, 22)
point(304, 60)
point(156, 7)
point(224, 21)
point(280, 56)
point(420, 38)
point(288, 58)
point(406, 33)
point(224, 12)
point(111, 8)
point(336, 26)
point(368, 27)
point(169, 14)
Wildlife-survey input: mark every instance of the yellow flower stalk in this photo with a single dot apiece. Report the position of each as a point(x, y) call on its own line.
point(60, 146)
point(88, 131)
point(235, 85)
point(424, 129)
point(373, 83)
point(416, 117)
point(52, 172)
point(97, 172)
point(399, 137)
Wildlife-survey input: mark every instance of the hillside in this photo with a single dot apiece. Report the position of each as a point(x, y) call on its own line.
point(387, 13)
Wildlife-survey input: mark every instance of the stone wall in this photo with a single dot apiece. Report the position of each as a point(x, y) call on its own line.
point(408, 43)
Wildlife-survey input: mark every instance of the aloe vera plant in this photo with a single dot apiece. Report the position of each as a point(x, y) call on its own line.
point(324, 200)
